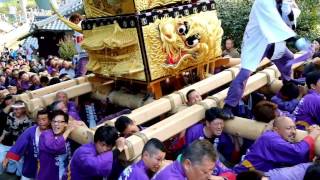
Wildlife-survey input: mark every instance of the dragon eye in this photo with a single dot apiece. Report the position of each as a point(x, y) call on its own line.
point(193, 40)
point(183, 29)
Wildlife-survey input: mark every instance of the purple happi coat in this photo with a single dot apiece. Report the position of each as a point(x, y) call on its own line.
point(137, 171)
point(173, 171)
point(307, 111)
point(222, 143)
point(72, 110)
point(87, 164)
point(271, 151)
point(26, 147)
point(51, 147)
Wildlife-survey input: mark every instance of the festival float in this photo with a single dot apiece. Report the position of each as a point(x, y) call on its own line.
point(143, 43)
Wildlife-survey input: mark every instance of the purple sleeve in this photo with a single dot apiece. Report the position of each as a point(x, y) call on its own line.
point(18, 149)
point(283, 151)
point(313, 104)
point(226, 146)
point(54, 145)
point(189, 137)
point(220, 168)
point(285, 105)
point(100, 165)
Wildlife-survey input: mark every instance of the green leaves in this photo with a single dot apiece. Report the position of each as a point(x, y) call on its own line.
point(67, 48)
point(234, 15)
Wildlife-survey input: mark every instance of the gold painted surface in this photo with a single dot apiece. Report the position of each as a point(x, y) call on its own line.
point(102, 8)
point(172, 45)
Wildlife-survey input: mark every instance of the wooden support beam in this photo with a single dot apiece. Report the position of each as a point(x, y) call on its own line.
point(170, 102)
point(51, 89)
point(172, 125)
point(44, 101)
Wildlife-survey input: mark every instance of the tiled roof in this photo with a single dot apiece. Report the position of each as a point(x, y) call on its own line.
point(53, 23)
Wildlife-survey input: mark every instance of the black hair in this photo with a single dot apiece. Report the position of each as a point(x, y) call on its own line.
point(153, 145)
point(54, 104)
point(189, 92)
point(44, 79)
point(122, 123)
point(63, 75)
point(55, 113)
point(106, 134)
point(290, 91)
point(53, 81)
point(313, 172)
point(265, 111)
point(312, 78)
point(42, 112)
point(199, 149)
point(250, 175)
point(20, 74)
point(214, 113)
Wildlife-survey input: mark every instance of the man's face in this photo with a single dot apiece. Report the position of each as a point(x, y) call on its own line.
point(58, 125)
point(19, 112)
point(8, 71)
point(316, 87)
point(102, 147)
point(62, 106)
point(131, 129)
point(201, 171)
point(62, 97)
point(229, 44)
point(13, 90)
point(35, 80)
point(153, 161)
point(43, 121)
point(193, 98)
point(286, 129)
point(216, 126)
point(25, 77)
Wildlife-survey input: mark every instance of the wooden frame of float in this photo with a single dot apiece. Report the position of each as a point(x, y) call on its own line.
point(191, 115)
point(51, 89)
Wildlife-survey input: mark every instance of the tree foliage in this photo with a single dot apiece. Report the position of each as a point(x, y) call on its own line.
point(67, 48)
point(234, 15)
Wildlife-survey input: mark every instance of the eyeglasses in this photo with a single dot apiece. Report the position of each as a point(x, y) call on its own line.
point(58, 122)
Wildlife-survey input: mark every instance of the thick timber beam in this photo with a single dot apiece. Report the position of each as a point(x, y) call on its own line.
point(51, 89)
point(174, 124)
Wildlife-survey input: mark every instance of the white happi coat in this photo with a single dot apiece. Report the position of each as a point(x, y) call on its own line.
point(265, 26)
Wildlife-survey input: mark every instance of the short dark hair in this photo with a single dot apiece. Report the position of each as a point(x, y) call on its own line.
point(54, 105)
point(122, 123)
point(54, 80)
point(106, 134)
point(42, 112)
point(189, 92)
point(250, 175)
point(199, 149)
point(214, 113)
point(153, 145)
point(44, 79)
point(290, 91)
point(313, 172)
point(74, 17)
point(312, 78)
point(56, 113)
point(265, 111)
point(21, 73)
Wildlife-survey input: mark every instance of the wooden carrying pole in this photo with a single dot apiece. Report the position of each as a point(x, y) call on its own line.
point(46, 100)
point(51, 89)
point(170, 102)
point(174, 124)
